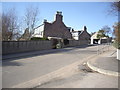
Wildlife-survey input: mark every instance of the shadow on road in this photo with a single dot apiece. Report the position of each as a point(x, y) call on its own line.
point(10, 63)
point(15, 56)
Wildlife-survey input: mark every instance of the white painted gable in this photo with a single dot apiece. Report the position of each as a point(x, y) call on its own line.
point(38, 32)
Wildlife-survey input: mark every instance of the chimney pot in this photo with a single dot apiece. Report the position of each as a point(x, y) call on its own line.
point(45, 20)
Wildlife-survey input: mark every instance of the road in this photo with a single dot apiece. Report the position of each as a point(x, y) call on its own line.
point(80, 76)
point(82, 80)
point(17, 71)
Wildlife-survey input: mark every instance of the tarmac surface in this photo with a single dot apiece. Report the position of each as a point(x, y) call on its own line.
point(88, 72)
point(98, 72)
point(27, 69)
point(106, 63)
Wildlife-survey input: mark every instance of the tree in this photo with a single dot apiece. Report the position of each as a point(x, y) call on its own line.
point(107, 30)
point(92, 33)
point(104, 32)
point(115, 8)
point(31, 18)
point(0, 26)
point(117, 33)
point(10, 26)
point(101, 34)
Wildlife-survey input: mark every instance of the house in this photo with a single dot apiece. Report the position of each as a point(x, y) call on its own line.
point(96, 40)
point(81, 35)
point(56, 29)
point(25, 35)
point(75, 34)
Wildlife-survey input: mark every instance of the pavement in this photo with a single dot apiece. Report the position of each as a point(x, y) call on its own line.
point(105, 63)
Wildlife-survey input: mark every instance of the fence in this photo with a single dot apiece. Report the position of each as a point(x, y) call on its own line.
point(103, 48)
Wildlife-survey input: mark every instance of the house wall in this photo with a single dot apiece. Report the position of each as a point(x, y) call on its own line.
point(85, 36)
point(75, 35)
point(57, 29)
point(38, 32)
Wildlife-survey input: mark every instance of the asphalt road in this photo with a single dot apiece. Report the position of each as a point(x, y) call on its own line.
point(82, 80)
point(19, 70)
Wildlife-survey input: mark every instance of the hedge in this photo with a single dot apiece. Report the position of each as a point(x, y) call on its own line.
point(116, 45)
point(38, 38)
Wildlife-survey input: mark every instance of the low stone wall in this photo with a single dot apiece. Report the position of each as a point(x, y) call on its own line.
point(77, 42)
point(9, 47)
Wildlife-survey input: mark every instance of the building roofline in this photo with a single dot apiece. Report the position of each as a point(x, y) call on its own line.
point(39, 26)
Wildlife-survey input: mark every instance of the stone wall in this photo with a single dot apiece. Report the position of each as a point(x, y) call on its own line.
point(73, 43)
point(77, 42)
point(9, 47)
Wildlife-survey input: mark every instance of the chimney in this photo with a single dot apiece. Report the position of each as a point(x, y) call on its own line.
point(45, 20)
point(85, 28)
point(59, 16)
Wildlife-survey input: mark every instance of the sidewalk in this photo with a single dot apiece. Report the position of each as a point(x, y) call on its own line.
point(105, 63)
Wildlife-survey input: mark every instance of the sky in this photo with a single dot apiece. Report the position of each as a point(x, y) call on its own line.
point(93, 15)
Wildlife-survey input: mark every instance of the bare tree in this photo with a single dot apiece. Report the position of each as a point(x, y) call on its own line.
point(115, 8)
point(107, 30)
point(31, 18)
point(10, 26)
point(116, 32)
point(0, 26)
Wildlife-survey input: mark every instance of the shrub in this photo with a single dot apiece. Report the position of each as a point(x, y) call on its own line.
point(116, 45)
point(38, 38)
point(54, 43)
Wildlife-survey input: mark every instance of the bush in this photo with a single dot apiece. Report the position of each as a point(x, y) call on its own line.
point(54, 43)
point(116, 45)
point(38, 38)
point(58, 45)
